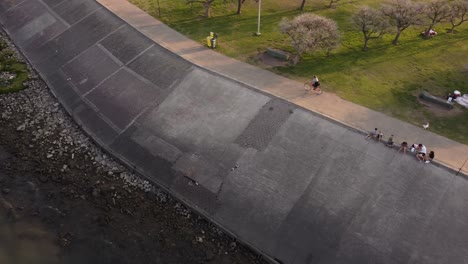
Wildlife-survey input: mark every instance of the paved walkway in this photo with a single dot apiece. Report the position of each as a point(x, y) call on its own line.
point(448, 152)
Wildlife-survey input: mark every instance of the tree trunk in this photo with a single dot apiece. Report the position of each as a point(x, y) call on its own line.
point(364, 48)
point(395, 41)
point(454, 25)
point(302, 5)
point(296, 59)
point(207, 7)
point(239, 6)
point(426, 33)
point(452, 29)
point(428, 30)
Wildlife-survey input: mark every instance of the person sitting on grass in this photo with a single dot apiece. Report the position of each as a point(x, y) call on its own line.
point(430, 33)
point(372, 134)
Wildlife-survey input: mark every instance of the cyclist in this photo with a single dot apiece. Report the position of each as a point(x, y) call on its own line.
point(316, 84)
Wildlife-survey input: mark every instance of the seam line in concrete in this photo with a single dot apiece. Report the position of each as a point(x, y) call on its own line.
point(103, 117)
point(60, 3)
point(101, 82)
point(139, 54)
point(88, 15)
point(141, 78)
point(14, 6)
point(115, 59)
point(143, 111)
point(52, 12)
point(79, 54)
point(133, 121)
point(75, 89)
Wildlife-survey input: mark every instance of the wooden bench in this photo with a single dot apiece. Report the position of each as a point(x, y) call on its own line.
point(282, 55)
point(437, 100)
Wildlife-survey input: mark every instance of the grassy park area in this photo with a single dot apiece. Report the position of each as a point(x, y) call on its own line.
point(387, 78)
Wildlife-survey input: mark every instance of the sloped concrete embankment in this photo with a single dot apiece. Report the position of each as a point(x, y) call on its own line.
point(291, 184)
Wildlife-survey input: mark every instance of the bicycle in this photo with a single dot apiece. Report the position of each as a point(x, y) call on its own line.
point(309, 85)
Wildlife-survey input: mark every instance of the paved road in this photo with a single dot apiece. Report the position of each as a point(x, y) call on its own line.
point(295, 185)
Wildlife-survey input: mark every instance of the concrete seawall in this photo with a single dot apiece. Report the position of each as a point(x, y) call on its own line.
point(291, 184)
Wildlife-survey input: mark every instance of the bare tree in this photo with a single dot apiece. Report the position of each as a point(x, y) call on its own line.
point(310, 32)
point(330, 4)
point(458, 13)
point(239, 6)
point(402, 14)
point(371, 23)
point(302, 5)
point(206, 4)
point(436, 11)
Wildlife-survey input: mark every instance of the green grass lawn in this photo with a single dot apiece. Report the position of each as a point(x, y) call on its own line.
point(12, 67)
point(386, 78)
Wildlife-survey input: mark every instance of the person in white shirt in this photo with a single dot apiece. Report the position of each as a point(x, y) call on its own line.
point(453, 96)
point(421, 152)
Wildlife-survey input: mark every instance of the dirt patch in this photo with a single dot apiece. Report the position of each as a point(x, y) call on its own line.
point(264, 60)
point(439, 110)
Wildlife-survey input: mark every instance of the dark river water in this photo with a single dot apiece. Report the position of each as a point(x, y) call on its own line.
point(25, 243)
point(22, 240)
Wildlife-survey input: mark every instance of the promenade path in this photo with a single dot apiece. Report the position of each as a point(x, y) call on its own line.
point(239, 145)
